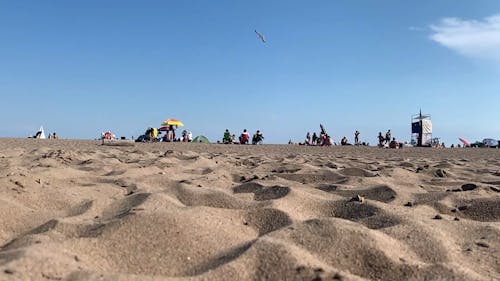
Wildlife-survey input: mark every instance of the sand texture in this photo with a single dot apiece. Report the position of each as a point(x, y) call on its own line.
point(79, 210)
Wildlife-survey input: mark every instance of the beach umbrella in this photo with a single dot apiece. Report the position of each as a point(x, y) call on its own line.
point(464, 141)
point(172, 122)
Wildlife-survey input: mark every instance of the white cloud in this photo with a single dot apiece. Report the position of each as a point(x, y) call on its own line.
point(471, 38)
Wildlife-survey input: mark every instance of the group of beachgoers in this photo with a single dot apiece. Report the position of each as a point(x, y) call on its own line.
point(325, 140)
point(386, 141)
point(244, 138)
point(154, 135)
point(322, 140)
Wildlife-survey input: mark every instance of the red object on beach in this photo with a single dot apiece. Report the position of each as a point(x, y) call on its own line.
point(464, 141)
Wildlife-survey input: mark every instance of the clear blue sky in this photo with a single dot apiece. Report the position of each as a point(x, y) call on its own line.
point(82, 67)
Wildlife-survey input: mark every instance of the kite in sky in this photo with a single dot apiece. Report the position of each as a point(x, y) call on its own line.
point(261, 37)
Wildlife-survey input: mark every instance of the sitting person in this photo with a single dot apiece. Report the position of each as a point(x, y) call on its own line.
point(393, 143)
point(244, 137)
point(257, 138)
point(227, 137)
point(308, 139)
point(107, 135)
point(326, 140)
point(344, 141)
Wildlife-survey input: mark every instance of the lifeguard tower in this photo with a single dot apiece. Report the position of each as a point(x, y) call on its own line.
point(421, 129)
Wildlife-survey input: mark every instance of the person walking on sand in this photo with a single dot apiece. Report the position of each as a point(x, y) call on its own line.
point(356, 137)
point(388, 136)
point(381, 139)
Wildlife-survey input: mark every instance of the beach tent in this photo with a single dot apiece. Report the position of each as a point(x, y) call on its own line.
point(202, 139)
point(40, 134)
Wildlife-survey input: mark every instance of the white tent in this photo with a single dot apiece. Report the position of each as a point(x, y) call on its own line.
point(42, 133)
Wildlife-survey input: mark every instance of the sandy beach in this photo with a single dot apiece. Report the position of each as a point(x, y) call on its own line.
point(78, 210)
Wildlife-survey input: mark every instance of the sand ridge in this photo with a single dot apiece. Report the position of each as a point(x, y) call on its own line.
point(77, 210)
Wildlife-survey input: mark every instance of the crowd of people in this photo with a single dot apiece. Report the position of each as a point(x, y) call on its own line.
point(244, 138)
point(154, 135)
point(322, 140)
point(325, 140)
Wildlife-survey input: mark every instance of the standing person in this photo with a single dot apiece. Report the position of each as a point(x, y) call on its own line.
point(381, 139)
point(308, 138)
point(356, 137)
point(314, 139)
point(388, 136)
point(171, 133)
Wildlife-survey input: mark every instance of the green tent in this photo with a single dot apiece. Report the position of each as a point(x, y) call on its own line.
point(202, 139)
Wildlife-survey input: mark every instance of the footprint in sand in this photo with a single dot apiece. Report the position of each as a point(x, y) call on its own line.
point(381, 193)
point(482, 209)
point(122, 207)
point(357, 172)
point(262, 193)
point(323, 177)
point(266, 220)
point(366, 214)
point(197, 196)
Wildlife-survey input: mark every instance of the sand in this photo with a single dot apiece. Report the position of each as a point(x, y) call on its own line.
point(78, 210)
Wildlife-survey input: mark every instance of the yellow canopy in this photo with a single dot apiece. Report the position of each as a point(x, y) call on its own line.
point(172, 122)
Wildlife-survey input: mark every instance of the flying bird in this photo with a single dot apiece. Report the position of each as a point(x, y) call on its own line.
point(261, 37)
